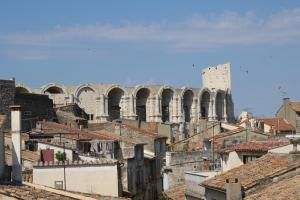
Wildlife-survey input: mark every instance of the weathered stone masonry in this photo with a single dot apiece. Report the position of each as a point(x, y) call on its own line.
point(150, 103)
point(7, 96)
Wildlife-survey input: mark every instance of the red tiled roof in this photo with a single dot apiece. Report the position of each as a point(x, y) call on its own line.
point(256, 146)
point(176, 193)
point(251, 174)
point(25, 154)
point(77, 134)
point(219, 139)
point(143, 132)
point(282, 190)
point(278, 124)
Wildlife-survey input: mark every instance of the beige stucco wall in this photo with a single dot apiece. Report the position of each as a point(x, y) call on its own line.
point(285, 149)
point(231, 161)
point(98, 179)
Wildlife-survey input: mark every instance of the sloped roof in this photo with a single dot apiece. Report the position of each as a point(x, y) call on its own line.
point(278, 124)
point(256, 146)
point(77, 134)
point(144, 132)
point(282, 190)
point(295, 106)
point(252, 173)
point(176, 193)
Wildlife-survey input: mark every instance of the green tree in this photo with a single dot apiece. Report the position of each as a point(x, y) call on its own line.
point(60, 156)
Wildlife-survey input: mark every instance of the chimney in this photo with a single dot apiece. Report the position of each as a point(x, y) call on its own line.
point(286, 101)
point(16, 143)
point(233, 189)
point(295, 141)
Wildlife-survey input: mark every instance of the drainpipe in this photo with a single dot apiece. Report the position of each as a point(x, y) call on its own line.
point(16, 143)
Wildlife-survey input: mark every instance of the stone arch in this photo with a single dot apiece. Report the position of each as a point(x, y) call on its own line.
point(219, 104)
point(21, 88)
point(187, 96)
point(229, 106)
point(86, 96)
point(166, 94)
point(142, 95)
point(204, 99)
point(114, 97)
point(53, 88)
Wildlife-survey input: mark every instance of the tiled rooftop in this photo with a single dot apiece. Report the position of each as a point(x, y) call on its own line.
point(283, 190)
point(143, 132)
point(26, 192)
point(278, 124)
point(26, 155)
point(252, 173)
point(220, 138)
point(177, 192)
point(77, 134)
point(256, 146)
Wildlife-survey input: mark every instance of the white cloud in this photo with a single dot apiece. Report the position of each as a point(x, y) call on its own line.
point(196, 32)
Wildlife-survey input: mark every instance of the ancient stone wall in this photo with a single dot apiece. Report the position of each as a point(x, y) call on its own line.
point(7, 96)
point(35, 107)
point(177, 163)
point(217, 77)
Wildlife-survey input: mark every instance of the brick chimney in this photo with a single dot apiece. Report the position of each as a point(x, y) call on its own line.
point(16, 143)
point(233, 189)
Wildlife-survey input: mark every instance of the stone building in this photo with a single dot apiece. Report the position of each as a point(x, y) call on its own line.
point(7, 97)
point(290, 111)
point(150, 103)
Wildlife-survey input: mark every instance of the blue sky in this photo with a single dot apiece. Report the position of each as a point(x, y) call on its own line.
point(132, 42)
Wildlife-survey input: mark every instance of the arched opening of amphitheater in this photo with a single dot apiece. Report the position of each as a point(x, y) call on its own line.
point(54, 90)
point(21, 90)
point(141, 103)
point(187, 105)
point(166, 102)
point(219, 106)
point(114, 103)
point(205, 99)
point(86, 100)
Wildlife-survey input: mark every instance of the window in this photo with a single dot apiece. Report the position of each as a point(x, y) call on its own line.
point(91, 117)
point(247, 159)
point(139, 153)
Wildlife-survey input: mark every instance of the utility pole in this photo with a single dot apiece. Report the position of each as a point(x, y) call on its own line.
point(213, 146)
point(64, 159)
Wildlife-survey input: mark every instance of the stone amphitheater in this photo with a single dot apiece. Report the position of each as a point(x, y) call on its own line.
point(149, 103)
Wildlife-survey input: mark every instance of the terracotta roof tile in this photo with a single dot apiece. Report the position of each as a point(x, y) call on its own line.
point(176, 193)
point(77, 134)
point(256, 146)
point(282, 190)
point(252, 173)
point(278, 124)
point(26, 155)
point(143, 132)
